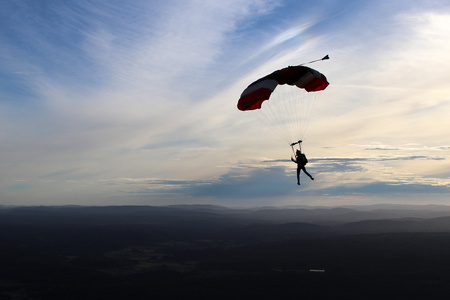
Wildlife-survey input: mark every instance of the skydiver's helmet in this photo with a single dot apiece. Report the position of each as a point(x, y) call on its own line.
point(298, 153)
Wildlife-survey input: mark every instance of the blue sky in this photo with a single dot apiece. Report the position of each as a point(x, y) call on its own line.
point(134, 102)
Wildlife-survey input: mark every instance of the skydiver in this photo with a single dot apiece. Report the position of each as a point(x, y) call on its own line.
point(301, 161)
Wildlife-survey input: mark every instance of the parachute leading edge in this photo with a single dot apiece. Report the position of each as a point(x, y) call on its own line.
point(259, 91)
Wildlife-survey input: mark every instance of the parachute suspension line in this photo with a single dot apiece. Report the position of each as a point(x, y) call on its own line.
point(298, 100)
point(312, 109)
point(309, 107)
point(275, 113)
point(303, 118)
point(287, 113)
point(300, 108)
point(267, 116)
point(284, 109)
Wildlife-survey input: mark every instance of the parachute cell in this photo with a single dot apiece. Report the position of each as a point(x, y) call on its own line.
point(303, 77)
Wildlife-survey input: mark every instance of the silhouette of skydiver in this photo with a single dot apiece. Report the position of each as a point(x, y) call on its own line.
point(301, 161)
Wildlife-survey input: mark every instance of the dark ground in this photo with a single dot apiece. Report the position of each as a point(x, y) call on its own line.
point(198, 253)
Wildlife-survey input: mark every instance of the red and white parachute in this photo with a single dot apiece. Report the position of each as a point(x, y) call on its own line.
point(291, 95)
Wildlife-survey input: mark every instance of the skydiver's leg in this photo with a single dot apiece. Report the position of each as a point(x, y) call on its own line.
point(306, 172)
point(298, 176)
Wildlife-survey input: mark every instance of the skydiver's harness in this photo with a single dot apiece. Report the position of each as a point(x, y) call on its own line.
point(301, 157)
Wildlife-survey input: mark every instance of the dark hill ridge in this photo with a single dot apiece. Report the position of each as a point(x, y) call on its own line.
point(441, 224)
point(208, 218)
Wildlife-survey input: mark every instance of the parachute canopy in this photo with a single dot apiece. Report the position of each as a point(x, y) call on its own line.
point(303, 77)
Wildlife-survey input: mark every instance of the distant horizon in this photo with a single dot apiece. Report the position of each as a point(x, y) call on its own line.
point(299, 206)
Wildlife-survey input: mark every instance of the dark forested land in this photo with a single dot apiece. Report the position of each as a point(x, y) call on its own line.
point(208, 252)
